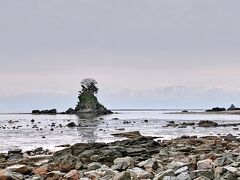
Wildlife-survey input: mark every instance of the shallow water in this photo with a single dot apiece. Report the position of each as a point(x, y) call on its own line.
point(97, 129)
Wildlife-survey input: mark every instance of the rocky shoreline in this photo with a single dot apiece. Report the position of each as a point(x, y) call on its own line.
point(138, 157)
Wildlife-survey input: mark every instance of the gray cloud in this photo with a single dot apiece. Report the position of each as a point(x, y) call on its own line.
point(50, 45)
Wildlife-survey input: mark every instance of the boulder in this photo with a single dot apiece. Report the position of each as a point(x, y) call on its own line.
point(161, 175)
point(123, 163)
point(205, 173)
point(72, 175)
point(183, 176)
point(175, 165)
point(216, 109)
point(35, 111)
point(68, 163)
point(205, 164)
point(19, 168)
point(207, 123)
point(71, 125)
point(149, 164)
point(9, 175)
point(231, 108)
point(230, 138)
point(40, 170)
point(123, 176)
point(94, 166)
point(140, 173)
point(15, 154)
point(70, 111)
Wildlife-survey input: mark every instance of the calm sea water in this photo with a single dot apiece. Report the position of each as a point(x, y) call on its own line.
point(100, 129)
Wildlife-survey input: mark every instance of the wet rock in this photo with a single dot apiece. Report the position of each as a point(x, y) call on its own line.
point(35, 111)
point(230, 138)
point(68, 163)
point(15, 154)
point(70, 111)
point(72, 175)
point(19, 168)
point(71, 124)
point(9, 175)
point(60, 155)
point(133, 134)
point(207, 123)
point(12, 121)
point(123, 163)
point(233, 108)
point(216, 109)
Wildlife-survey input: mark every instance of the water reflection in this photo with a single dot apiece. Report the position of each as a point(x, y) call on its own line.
point(87, 126)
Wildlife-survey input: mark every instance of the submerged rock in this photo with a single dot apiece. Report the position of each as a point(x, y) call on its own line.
point(207, 123)
point(71, 124)
point(132, 134)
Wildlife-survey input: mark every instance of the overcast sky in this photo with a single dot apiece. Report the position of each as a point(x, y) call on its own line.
point(143, 53)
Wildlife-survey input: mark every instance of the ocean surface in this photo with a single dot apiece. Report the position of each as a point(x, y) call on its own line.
point(100, 129)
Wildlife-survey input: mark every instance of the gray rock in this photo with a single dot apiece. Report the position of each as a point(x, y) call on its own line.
point(149, 164)
point(202, 178)
point(230, 176)
point(60, 155)
point(71, 125)
point(170, 178)
point(94, 166)
point(230, 138)
point(205, 164)
point(218, 171)
point(230, 169)
point(68, 163)
point(123, 163)
point(175, 165)
point(205, 173)
point(123, 176)
point(140, 173)
point(164, 152)
point(35, 177)
point(161, 175)
point(55, 175)
point(19, 168)
point(7, 174)
point(14, 155)
point(219, 161)
point(181, 170)
point(184, 176)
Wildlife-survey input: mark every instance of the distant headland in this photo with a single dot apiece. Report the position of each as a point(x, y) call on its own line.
point(88, 103)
